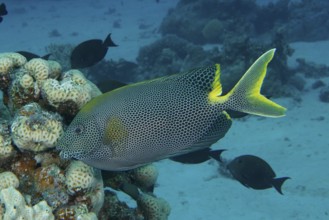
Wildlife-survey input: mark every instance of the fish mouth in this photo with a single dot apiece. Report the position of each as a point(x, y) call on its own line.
point(70, 155)
point(64, 155)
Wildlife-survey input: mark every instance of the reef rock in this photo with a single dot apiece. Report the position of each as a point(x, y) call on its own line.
point(17, 208)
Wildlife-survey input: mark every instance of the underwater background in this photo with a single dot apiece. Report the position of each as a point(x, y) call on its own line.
point(157, 38)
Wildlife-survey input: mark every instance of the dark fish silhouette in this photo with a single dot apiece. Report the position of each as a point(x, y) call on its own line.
point(131, 190)
point(236, 114)
point(30, 56)
point(3, 11)
point(199, 156)
point(90, 52)
point(109, 85)
point(254, 172)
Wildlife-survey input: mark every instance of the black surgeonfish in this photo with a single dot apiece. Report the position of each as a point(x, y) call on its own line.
point(30, 56)
point(199, 156)
point(254, 172)
point(109, 85)
point(3, 11)
point(90, 52)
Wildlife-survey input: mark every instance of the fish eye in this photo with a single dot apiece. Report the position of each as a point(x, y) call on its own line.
point(79, 129)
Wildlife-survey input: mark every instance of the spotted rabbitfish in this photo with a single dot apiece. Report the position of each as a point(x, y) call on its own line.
point(173, 115)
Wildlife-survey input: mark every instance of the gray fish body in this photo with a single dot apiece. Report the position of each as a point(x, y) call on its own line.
point(151, 121)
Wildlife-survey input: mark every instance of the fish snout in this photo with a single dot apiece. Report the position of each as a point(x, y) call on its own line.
point(65, 155)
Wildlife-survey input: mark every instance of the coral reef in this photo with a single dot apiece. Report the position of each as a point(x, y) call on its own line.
point(196, 21)
point(312, 70)
point(213, 30)
point(148, 205)
point(42, 81)
point(73, 87)
point(25, 81)
point(79, 212)
point(103, 73)
point(55, 69)
point(300, 19)
point(115, 209)
point(145, 177)
point(23, 90)
point(318, 84)
point(35, 129)
point(8, 62)
point(6, 148)
point(153, 208)
point(17, 59)
point(70, 94)
point(38, 69)
point(17, 208)
point(50, 183)
point(131, 182)
point(83, 179)
point(79, 177)
point(8, 179)
point(200, 21)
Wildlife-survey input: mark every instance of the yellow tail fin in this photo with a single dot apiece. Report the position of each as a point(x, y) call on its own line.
point(246, 97)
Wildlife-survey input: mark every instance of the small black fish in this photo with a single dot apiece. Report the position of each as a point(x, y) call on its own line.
point(109, 85)
point(131, 190)
point(236, 114)
point(3, 11)
point(199, 156)
point(90, 52)
point(30, 56)
point(254, 172)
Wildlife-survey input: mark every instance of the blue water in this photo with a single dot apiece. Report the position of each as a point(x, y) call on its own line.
point(295, 145)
